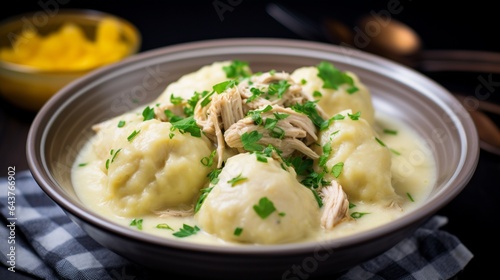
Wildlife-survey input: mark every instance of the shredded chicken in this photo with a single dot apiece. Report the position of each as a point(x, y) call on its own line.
point(225, 118)
point(175, 212)
point(295, 127)
point(335, 205)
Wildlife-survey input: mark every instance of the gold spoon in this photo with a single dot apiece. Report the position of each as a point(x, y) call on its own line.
point(395, 40)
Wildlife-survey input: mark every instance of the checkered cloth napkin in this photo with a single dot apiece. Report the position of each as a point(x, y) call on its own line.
point(49, 245)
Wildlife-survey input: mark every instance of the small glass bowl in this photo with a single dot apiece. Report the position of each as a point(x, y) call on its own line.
point(29, 87)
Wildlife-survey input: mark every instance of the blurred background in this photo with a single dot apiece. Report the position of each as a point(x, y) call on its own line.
point(456, 25)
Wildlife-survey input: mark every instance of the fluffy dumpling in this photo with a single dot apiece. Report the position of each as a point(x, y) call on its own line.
point(258, 202)
point(366, 173)
point(332, 101)
point(198, 81)
point(111, 131)
point(154, 168)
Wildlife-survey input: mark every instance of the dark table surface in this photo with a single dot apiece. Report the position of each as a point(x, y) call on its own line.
point(472, 25)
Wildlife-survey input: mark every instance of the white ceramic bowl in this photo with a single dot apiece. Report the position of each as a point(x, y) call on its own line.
point(64, 124)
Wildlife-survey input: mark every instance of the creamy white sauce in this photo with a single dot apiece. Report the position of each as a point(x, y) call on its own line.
point(413, 171)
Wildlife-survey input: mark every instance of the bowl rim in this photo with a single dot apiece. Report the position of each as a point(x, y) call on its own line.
point(42, 176)
point(87, 13)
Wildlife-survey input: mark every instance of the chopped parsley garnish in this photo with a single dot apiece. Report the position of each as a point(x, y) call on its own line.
point(357, 215)
point(171, 117)
point(324, 125)
point(309, 109)
point(208, 161)
point(191, 103)
point(148, 113)
point(113, 154)
point(236, 180)
point(133, 135)
point(314, 180)
point(410, 197)
point(380, 142)
point(256, 115)
point(354, 116)
point(395, 152)
point(121, 123)
point(301, 165)
point(267, 152)
point(337, 169)
point(221, 87)
point(213, 176)
point(351, 205)
point(278, 88)
point(82, 164)
point(188, 125)
point(264, 208)
point(237, 69)
point(333, 78)
point(390, 131)
point(201, 199)
point(327, 149)
point(271, 125)
point(186, 230)
point(250, 139)
point(164, 226)
point(303, 81)
point(238, 231)
point(175, 100)
point(136, 223)
point(206, 98)
point(317, 93)
point(255, 94)
point(317, 197)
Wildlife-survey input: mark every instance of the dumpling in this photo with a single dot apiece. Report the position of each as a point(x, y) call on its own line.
point(198, 81)
point(333, 101)
point(366, 173)
point(110, 131)
point(155, 168)
point(258, 202)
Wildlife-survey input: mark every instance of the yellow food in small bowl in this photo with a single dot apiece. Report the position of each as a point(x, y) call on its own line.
point(36, 60)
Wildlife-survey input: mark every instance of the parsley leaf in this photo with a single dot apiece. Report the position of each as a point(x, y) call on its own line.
point(148, 113)
point(221, 87)
point(327, 150)
point(278, 88)
point(186, 231)
point(188, 125)
point(238, 231)
point(354, 116)
point(390, 131)
point(332, 77)
point(237, 69)
point(357, 215)
point(164, 226)
point(250, 140)
point(201, 199)
point(136, 223)
point(309, 109)
point(133, 135)
point(236, 180)
point(264, 208)
point(337, 169)
point(213, 176)
point(175, 100)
